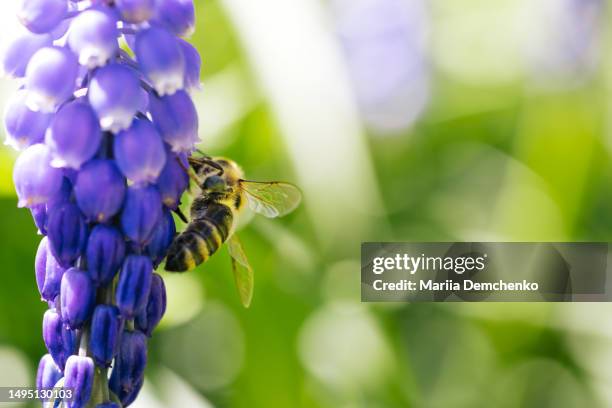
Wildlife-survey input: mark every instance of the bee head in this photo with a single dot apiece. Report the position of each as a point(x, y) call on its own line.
point(214, 184)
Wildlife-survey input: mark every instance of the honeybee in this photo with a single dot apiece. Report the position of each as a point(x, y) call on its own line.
point(214, 214)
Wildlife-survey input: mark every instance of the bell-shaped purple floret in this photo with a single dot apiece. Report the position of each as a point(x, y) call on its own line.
point(134, 285)
point(106, 328)
point(130, 364)
point(100, 190)
point(35, 180)
point(42, 16)
point(51, 78)
point(149, 318)
point(93, 37)
point(79, 377)
point(48, 373)
point(74, 135)
point(52, 278)
point(193, 63)
point(172, 182)
point(162, 238)
point(24, 127)
point(160, 57)
point(141, 213)
point(105, 253)
point(177, 16)
point(136, 11)
point(67, 233)
point(176, 119)
point(115, 95)
point(59, 340)
point(139, 152)
point(77, 297)
point(17, 53)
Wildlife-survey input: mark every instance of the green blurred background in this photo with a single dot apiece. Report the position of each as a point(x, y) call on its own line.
point(401, 120)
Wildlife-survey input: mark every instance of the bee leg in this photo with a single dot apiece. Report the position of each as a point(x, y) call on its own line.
point(191, 175)
point(180, 214)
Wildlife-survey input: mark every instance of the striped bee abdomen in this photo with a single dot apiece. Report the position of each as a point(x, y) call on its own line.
point(208, 230)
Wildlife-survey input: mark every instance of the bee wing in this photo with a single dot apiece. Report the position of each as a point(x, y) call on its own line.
point(271, 199)
point(243, 273)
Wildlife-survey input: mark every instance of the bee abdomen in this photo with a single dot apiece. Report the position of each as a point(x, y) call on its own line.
point(200, 240)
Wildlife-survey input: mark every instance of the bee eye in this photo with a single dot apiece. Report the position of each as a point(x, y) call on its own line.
point(214, 184)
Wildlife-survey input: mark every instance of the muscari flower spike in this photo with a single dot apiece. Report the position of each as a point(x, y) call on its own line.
point(100, 131)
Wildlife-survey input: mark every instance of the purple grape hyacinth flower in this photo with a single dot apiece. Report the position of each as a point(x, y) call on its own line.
point(139, 152)
point(100, 131)
point(100, 190)
point(74, 135)
point(51, 78)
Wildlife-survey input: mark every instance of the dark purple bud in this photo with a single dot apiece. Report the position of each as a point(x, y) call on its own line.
point(39, 215)
point(93, 37)
point(67, 233)
point(74, 135)
point(100, 190)
point(24, 127)
point(52, 336)
point(129, 397)
point(140, 152)
point(193, 63)
point(162, 238)
point(141, 213)
point(149, 318)
point(177, 16)
point(106, 327)
point(134, 285)
point(129, 364)
point(34, 178)
point(51, 78)
point(172, 182)
point(77, 297)
point(79, 376)
point(52, 278)
point(48, 373)
point(161, 59)
point(105, 253)
point(176, 119)
point(136, 11)
point(42, 16)
point(40, 263)
point(115, 95)
point(17, 53)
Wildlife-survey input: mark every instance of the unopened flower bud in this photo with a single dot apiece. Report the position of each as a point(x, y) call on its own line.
point(74, 135)
point(77, 297)
point(176, 119)
point(48, 373)
point(105, 253)
point(106, 327)
point(17, 53)
point(150, 317)
point(100, 190)
point(134, 285)
point(140, 152)
point(141, 213)
point(162, 238)
point(177, 16)
point(52, 278)
point(172, 182)
point(35, 180)
point(59, 340)
point(79, 377)
point(42, 16)
point(130, 364)
point(40, 263)
point(67, 233)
